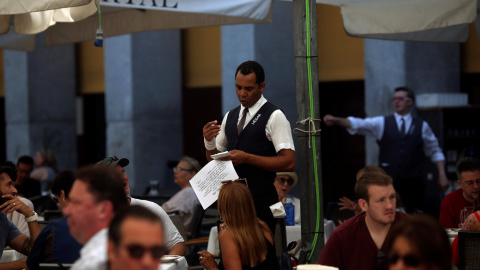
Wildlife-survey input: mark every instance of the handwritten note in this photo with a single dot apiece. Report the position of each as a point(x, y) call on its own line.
point(207, 182)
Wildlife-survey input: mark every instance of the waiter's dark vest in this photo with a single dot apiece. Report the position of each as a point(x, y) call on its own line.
point(254, 141)
point(404, 155)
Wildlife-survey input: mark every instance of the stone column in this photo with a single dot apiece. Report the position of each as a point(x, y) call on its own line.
point(40, 102)
point(425, 67)
point(143, 103)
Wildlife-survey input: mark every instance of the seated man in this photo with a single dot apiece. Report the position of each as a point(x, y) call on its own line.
point(26, 186)
point(468, 172)
point(283, 183)
point(17, 218)
point(358, 242)
point(174, 242)
point(185, 201)
point(9, 234)
point(96, 196)
point(135, 240)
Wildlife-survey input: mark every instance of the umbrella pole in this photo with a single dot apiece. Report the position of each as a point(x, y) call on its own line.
point(308, 113)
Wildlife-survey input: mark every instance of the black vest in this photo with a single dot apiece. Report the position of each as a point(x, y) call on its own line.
point(254, 141)
point(402, 156)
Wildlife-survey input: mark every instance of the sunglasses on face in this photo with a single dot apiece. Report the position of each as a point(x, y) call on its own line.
point(137, 251)
point(410, 260)
point(240, 180)
point(282, 180)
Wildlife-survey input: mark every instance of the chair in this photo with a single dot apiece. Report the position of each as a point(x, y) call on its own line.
point(177, 221)
point(469, 250)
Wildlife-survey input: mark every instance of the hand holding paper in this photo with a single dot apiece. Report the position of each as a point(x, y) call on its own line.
point(207, 182)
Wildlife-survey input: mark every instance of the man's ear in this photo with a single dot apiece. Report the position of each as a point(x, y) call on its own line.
point(363, 204)
point(106, 209)
point(459, 182)
point(111, 250)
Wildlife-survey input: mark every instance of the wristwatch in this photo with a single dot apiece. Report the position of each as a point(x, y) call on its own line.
point(32, 218)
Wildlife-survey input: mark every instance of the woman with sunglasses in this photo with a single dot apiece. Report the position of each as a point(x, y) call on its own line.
point(246, 242)
point(54, 244)
point(284, 182)
point(418, 242)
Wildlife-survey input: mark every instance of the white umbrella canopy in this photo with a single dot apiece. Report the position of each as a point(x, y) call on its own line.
point(130, 16)
point(31, 17)
point(411, 20)
point(124, 17)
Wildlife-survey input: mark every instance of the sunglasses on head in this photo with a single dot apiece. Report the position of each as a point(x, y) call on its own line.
point(282, 180)
point(408, 259)
point(137, 251)
point(54, 199)
point(240, 180)
point(110, 160)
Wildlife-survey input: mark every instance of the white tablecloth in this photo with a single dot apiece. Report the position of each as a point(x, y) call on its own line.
point(294, 233)
point(10, 255)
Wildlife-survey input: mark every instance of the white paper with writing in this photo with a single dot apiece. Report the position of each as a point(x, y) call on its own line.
point(207, 182)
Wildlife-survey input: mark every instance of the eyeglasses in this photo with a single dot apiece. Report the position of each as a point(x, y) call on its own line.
point(408, 259)
point(240, 180)
point(400, 99)
point(282, 180)
point(178, 169)
point(137, 251)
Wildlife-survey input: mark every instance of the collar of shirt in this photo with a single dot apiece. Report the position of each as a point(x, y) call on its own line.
point(407, 118)
point(252, 110)
point(96, 243)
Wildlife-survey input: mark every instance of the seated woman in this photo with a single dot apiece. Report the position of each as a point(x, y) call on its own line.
point(185, 201)
point(244, 244)
point(418, 242)
point(54, 244)
point(472, 223)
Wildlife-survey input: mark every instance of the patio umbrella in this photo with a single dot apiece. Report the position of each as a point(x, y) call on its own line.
point(147, 15)
point(411, 20)
point(31, 17)
point(124, 17)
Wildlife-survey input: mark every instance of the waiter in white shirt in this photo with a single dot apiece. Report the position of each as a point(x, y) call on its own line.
point(404, 142)
point(258, 136)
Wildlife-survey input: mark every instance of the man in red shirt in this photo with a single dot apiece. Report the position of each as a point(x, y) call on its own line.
point(357, 244)
point(468, 172)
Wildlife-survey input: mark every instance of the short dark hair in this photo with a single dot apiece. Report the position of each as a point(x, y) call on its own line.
point(410, 93)
point(134, 211)
point(25, 160)
point(63, 181)
point(427, 237)
point(368, 179)
point(467, 164)
point(9, 168)
point(105, 183)
point(251, 67)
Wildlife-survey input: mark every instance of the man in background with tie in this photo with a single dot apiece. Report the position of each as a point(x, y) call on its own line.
point(405, 142)
point(258, 136)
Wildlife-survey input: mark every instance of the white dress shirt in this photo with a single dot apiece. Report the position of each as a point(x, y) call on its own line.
point(277, 130)
point(93, 255)
point(374, 126)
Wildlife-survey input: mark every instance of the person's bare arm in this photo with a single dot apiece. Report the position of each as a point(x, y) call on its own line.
point(178, 249)
point(229, 250)
point(15, 204)
point(442, 176)
point(284, 161)
point(16, 265)
point(331, 120)
point(210, 131)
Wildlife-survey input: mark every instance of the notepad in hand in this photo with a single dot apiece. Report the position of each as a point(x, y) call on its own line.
point(221, 155)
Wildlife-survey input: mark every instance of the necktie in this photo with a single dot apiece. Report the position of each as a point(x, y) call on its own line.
point(402, 128)
point(242, 121)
